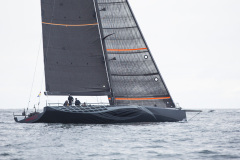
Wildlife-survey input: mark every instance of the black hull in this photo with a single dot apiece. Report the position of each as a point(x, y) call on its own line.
point(106, 115)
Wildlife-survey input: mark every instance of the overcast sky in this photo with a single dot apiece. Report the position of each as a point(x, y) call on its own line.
point(195, 43)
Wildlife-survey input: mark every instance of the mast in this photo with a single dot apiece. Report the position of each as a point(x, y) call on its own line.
point(104, 50)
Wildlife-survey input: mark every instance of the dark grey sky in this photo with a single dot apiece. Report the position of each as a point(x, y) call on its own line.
point(195, 43)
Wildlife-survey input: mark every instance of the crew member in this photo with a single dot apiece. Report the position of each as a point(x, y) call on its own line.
point(70, 99)
point(66, 103)
point(77, 102)
point(84, 104)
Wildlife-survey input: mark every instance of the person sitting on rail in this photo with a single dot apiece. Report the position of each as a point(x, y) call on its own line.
point(66, 103)
point(84, 104)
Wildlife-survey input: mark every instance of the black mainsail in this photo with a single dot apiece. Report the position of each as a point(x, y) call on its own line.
point(73, 53)
point(135, 77)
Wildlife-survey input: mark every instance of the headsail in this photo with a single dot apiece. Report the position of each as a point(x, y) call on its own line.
point(73, 55)
point(136, 79)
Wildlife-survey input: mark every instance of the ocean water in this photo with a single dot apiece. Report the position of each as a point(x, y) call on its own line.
point(210, 135)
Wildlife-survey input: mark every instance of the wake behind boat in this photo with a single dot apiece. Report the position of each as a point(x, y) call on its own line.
point(96, 48)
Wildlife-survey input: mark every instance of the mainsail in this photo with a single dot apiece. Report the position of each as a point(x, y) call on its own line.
point(73, 53)
point(134, 75)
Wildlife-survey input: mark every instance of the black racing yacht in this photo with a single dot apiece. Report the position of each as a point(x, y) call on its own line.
point(96, 48)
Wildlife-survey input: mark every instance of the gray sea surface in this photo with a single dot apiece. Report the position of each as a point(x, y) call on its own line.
point(209, 135)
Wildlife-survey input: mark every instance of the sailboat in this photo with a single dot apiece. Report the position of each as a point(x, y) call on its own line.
point(96, 48)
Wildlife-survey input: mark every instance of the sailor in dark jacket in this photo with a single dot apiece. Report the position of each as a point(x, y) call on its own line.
point(77, 102)
point(70, 99)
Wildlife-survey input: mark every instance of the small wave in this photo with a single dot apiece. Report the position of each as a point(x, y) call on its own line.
point(160, 141)
point(94, 155)
point(115, 153)
point(168, 156)
point(4, 154)
point(8, 145)
point(224, 156)
point(137, 147)
point(207, 152)
point(155, 146)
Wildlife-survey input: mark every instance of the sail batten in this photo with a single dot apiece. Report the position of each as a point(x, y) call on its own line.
point(121, 27)
point(70, 25)
point(133, 49)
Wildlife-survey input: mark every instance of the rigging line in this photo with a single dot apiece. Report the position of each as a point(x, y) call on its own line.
point(34, 72)
point(41, 90)
point(38, 56)
point(41, 85)
point(194, 116)
point(42, 81)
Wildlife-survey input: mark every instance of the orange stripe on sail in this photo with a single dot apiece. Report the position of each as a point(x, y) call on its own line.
point(70, 25)
point(137, 99)
point(114, 50)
